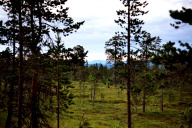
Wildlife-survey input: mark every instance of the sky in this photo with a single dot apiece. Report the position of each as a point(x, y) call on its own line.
point(99, 26)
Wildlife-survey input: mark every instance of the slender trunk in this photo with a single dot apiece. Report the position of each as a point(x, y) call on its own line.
point(39, 40)
point(74, 72)
point(180, 95)
point(10, 107)
point(94, 94)
point(50, 91)
point(83, 91)
point(115, 68)
point(20, 88)
point(58, 86)
point(91, 93)
point(11, 93)
point(162, 100)
point(0, 87)
point(5, 86)
point(144, 88)
point(80, 92)
point(129, 71)
point(144, 99)
point(136, 103)
point(34, 92)
point(34, 99)
point(102, 98)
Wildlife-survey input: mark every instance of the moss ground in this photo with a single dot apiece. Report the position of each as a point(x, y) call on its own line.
point(111, 112)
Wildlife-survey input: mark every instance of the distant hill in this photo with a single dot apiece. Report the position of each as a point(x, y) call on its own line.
point(103, 62)
point(98, 62)
point(106, 63)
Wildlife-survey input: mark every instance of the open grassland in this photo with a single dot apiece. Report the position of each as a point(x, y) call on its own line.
point(110, 110)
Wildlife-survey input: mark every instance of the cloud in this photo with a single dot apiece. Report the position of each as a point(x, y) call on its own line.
point(3, 14)
point(99, 26)
point(93, 8)
point(158, 20)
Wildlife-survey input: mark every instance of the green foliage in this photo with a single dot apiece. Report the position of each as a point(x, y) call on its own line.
point(186, 118)
point(147, 81)
point(115, 49)
point(113, 110)
point(84, 123)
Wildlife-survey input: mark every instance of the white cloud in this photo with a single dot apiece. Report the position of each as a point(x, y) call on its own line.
point(158, 20)
point(99, 26)
point(159, 9)
point(93, 8)
point(96, 56)
point(2, 14)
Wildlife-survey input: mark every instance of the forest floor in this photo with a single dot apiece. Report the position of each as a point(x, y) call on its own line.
point(111, 112)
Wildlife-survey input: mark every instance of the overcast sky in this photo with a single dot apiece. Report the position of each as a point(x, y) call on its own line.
point(99, 26)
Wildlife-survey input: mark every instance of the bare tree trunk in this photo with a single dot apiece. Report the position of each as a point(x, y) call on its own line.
point(129, 72)
point(20, 88)
point(11, 92)
point(144, 99)
point(58, 86)
point(34, 99)
point(136, 103)
point(115, 68)
point(102, 98)
point(162, 100)
point(80, 92)
point(94, 89)
point(34, 92)
point(83, 91)
point(91, 94)
point(0, 87)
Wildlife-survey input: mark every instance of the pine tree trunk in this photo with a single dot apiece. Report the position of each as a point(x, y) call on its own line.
point(94, 89)
point(144, 99)
point(118, 93)
point(115, 68)
point(102, 101)
point(91, 93)
point(34, 92)
point(34, 99)
point(162, 100)
point(83, 91)
point(20, 88)
point(80, 92)
point(0, 87)
point(11, 93)
point(136, 103)
point(58, 87)
point(129, 72)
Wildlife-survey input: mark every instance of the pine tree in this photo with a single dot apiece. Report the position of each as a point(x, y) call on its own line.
point(78, 58)
point(128, 20)
point(35, 20)
point(183, 16)
point(115, 51)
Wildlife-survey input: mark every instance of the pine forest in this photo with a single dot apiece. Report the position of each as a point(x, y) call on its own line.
point(145, 87)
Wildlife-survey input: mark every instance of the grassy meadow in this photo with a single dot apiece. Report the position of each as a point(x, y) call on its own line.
point(110, 110)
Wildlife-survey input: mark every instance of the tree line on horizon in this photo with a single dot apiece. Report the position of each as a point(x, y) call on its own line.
point(35, 85)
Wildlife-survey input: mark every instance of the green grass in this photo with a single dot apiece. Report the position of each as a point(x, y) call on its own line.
point(112, 112)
